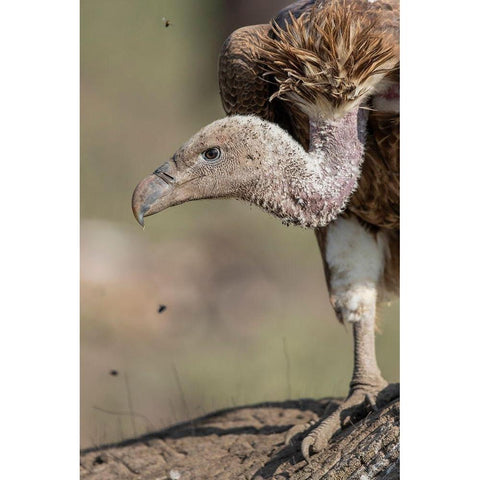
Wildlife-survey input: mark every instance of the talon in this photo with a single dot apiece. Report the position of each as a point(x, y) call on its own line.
point(295, 430)
point(291, 433)
point(347, 421)
point(371, 401)
point(348, 412)
point(288, 437)
point(308, 441)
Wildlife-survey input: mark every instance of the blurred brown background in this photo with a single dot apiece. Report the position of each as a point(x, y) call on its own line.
point(247, 316)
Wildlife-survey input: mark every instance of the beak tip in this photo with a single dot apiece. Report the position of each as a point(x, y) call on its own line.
point(147, 197)
point(139, 218)
point(138, 212)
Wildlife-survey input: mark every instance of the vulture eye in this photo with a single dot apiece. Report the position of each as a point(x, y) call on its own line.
point(211, 154)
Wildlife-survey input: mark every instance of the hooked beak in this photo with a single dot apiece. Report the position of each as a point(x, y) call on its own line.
point(154, 193)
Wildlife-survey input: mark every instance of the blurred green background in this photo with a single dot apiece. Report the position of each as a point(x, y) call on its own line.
point(247, 316)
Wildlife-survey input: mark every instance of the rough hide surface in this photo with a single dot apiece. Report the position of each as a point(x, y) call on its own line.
point(247, 443)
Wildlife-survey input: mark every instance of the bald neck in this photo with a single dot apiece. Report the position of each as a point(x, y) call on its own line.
point(310, 188)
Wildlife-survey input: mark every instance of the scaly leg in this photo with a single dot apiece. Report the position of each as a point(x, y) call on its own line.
point(354, 262)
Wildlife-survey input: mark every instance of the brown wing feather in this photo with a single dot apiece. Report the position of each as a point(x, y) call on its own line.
point(244, 90)
point(377, 198)
point(243, 87)
point(330, 58)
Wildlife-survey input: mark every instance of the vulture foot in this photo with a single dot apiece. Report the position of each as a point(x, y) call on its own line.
point(362, 400)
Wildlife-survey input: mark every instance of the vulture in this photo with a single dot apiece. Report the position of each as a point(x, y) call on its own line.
point(311, 136)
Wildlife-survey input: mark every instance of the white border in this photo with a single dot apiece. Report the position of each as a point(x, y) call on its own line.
point(439, 258)
point(40, 239)
point(40, 248)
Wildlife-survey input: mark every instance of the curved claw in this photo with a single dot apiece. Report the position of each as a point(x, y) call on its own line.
point(347, 421)
point(371, 401)
point(295, 430)
point(315, 441)
point(308, 442)
point(352, 408)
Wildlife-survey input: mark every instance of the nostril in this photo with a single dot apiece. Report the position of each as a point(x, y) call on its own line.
point(163, 168)
point(161, 172)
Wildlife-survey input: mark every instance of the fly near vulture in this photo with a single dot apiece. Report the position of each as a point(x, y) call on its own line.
point(312, 137)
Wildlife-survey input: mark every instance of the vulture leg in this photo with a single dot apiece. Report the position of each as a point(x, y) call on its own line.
point(354, 262)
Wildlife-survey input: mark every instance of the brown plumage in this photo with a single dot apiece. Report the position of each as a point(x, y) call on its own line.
point(326, 72)
point(296, 56)
point(327, 57)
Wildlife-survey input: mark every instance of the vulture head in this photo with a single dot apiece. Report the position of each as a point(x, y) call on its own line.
point(326, 66)
point(222, 160)
point(251, 159)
